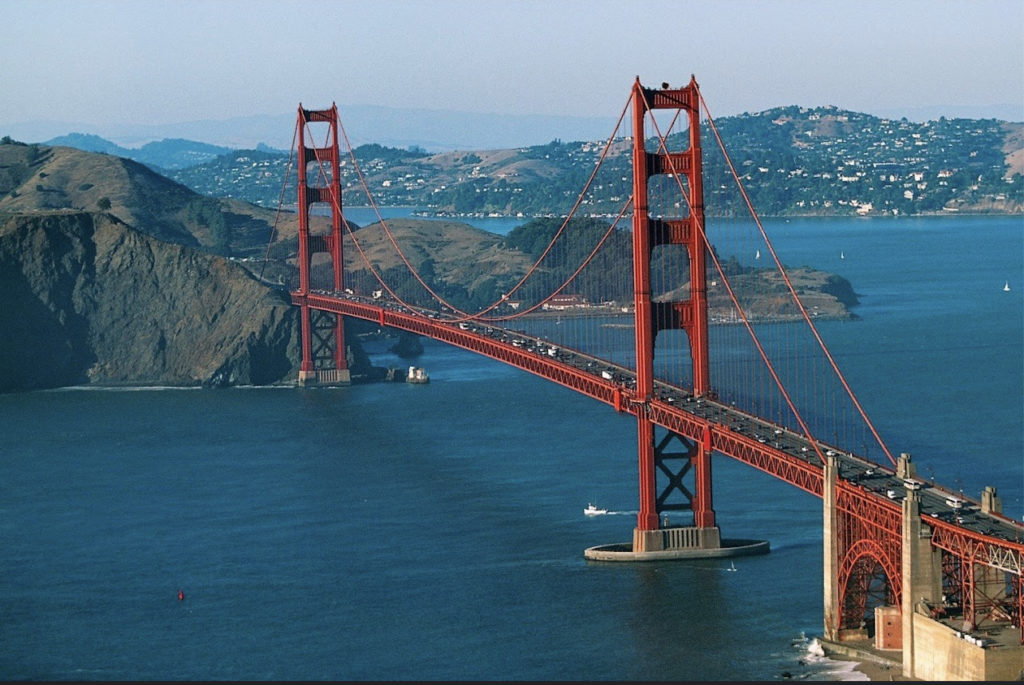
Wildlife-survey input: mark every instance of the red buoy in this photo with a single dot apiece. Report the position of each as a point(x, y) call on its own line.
point(181, 595)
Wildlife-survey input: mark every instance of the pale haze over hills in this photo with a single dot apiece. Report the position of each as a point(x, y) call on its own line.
point(486, 74)
point(431, 130)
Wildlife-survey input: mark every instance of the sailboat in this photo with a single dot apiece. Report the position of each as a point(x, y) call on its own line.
point(842, 255)
point(758, 255)
point(1006, 288)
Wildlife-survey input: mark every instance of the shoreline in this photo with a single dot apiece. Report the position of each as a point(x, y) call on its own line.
point(420, 212)
point(874, 671)
point(868, 662)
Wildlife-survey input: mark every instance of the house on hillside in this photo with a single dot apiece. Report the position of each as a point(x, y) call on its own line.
point(565, 301)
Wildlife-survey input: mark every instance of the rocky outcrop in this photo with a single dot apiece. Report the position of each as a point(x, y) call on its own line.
point(409, 345)
point(88, 299)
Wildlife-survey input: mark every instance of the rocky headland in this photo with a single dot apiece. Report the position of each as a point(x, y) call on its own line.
point(88, 299)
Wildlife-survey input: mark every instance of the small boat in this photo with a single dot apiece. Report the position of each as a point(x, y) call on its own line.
point(842, 255)
point(591, 510)
point(758, 255)
point(417, 375)
point(1006, 287)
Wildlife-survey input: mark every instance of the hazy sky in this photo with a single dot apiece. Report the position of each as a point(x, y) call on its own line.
point(163, 61)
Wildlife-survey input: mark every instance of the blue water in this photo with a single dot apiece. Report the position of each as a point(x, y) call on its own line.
point(364, 216)
point(403, 532)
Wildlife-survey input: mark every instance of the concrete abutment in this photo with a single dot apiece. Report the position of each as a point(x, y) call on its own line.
point(925, 644)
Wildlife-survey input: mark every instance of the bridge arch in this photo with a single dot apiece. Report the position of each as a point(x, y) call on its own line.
point(867, 578)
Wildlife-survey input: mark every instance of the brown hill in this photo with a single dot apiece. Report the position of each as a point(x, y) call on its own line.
point(39, 178)
point(459, 253)
point(139, 294)
point(88, 299)
point(1013, 148)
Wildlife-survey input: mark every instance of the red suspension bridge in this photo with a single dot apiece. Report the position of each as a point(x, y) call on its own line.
point(635, 305)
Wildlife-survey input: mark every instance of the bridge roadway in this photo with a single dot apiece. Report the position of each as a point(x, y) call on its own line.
point(958, 522)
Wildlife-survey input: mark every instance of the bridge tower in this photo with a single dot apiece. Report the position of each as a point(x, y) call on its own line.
point(324, 358)
point(690, 315)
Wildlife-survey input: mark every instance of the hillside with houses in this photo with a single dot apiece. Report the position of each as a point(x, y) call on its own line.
point(792, 161)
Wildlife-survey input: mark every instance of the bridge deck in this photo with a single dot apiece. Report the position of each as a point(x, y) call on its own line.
point(773, 449)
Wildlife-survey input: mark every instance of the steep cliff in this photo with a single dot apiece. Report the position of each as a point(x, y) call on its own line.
point(88, 299)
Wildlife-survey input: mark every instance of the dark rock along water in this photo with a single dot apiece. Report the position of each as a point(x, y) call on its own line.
point(408, 532)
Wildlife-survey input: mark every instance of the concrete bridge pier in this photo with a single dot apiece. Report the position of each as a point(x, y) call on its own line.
point(937, 649)
point(922, 578)
point(326, 377)
point(679, 537)
point(830, 540)
point(654, 538)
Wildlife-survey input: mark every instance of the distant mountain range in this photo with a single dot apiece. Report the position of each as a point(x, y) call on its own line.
point(431, 130)
point(168, 154)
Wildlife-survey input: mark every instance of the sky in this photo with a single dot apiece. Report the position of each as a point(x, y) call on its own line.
point(164, 61)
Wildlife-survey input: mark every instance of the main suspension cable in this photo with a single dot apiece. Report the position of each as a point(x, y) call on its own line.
point(465, 315)
point(792, 290)
point(280, 200)
point(743, 317)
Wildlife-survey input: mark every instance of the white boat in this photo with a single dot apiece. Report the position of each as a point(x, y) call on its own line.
point(417, 375)
point(591, 510)
point(1006, 287)
point(758, 255)
point(842, 255)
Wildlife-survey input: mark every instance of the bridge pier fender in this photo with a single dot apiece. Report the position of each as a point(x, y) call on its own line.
point(677, 542)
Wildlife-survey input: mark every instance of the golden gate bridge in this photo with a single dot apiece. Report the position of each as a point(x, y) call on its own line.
point(662, 314)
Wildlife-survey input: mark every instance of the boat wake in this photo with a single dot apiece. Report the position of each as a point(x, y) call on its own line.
point(592, 510)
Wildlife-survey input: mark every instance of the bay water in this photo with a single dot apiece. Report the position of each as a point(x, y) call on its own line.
point(436, 532)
